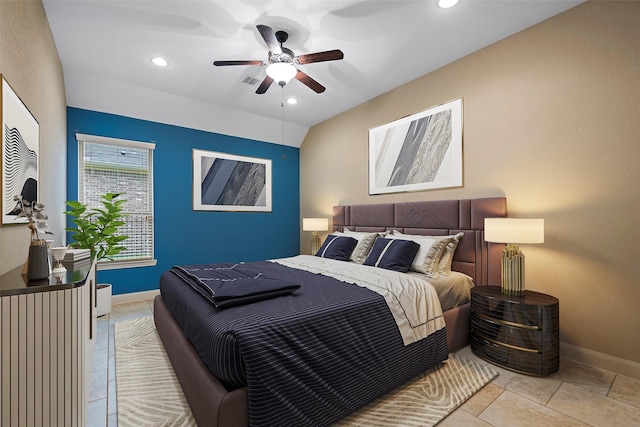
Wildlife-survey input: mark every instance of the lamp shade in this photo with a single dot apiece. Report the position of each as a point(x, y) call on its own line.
point(514, 230)
point(281, 72)
point(315, 224)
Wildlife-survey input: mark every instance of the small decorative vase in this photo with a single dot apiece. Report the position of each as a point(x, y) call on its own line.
point(38, 264)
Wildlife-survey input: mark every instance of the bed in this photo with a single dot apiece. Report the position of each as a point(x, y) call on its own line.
point(221, 402)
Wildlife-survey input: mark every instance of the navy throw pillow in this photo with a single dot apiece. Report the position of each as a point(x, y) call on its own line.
point(392, 254)
point(337, 247)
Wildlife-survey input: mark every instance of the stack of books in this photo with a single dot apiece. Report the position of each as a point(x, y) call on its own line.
point(75, 255)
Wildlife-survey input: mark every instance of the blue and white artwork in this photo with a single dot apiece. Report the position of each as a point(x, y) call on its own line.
point(20, 135)
point(419, 152)
point(226, 182)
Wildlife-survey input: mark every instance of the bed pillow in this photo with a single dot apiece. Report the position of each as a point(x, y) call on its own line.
point(444, 267)
point(392, 254)
point(337, 247)
point(427, 260)
point(365, 243)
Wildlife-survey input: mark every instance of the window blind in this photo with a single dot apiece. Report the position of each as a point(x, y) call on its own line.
point(109, 165)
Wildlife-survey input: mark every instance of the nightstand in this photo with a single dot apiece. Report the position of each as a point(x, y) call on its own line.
point(517, 333)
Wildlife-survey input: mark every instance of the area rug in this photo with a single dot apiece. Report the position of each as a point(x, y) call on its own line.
point(148, 392)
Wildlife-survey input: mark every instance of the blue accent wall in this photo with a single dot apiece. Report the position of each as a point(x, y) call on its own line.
point(182, 235)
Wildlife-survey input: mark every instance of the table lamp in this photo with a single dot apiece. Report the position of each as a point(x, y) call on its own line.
point(314, 225)
point(513, 231)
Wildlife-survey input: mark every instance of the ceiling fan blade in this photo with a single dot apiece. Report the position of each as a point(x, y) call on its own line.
point(308, 81)
point(269, 38)
point(264, 85)
point(329, 55)
point(248, 62)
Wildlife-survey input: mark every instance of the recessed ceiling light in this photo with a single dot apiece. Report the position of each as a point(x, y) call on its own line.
point(446, 4)
point(160, 62)
point(292, 101)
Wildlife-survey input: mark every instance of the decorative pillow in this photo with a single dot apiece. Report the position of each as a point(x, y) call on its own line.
point(337, 247)
point(444, 267)
point(427, 260)
point(365, 243)
point(392, 254)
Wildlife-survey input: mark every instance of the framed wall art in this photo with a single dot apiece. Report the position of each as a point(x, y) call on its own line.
point(20, 139)
point(419, 152)
point(226, 182)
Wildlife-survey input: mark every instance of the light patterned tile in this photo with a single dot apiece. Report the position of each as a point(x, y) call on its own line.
point(593, 408)
point(511, 410)
point(460, 418)
point(112, 368)
point(98, 385)
point(538, 389)
point(102, 325)
point(482, 399)
point(112, 402)
point(100, 359)
point(97, 413)
point(102, 340)
point(589, 377)
point(626, 390)
point(504, 376)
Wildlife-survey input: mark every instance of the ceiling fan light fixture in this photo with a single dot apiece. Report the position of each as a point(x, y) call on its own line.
point(281, 72)
point(160, 62)
point(446, 4)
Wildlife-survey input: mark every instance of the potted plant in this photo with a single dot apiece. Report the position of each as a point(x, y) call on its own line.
point(96, 229)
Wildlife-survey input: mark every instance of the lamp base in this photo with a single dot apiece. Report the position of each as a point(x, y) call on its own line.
point(512, 273)
point(315, 242)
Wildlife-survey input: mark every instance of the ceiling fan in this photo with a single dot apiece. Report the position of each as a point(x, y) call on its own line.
point(280, 62)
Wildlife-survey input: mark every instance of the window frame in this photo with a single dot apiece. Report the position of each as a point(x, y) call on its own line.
point(84, 138)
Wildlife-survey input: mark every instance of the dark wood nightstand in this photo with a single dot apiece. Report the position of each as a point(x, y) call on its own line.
point(517, 333)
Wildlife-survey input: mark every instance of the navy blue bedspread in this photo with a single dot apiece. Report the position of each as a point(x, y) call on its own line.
point(308, 358)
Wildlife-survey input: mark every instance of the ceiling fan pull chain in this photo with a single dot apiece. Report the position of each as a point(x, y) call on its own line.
point(282, 106)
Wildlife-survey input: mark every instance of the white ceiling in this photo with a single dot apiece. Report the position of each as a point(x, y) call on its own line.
point(106, 47)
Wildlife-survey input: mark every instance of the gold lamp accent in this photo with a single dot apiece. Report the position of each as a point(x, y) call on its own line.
point(513, 231)
point(314, 225)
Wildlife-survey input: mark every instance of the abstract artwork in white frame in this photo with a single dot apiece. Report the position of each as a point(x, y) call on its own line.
point(227, 182)
point(20, 160)
point(418, 152)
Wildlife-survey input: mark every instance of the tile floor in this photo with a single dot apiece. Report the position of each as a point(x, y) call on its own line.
point(577, 395)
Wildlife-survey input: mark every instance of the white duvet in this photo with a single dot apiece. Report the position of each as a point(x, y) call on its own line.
point(412, 300)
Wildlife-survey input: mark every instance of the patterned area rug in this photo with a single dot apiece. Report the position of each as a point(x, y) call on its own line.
point(148, 392)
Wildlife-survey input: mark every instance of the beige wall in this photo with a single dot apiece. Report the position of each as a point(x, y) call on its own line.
point(552, 122)
point(29, 62)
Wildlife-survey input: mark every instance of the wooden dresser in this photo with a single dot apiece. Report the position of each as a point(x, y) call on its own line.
point(47, 330)
point(518, 333)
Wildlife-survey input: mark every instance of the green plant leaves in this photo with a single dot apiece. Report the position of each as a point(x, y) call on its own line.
point(95, 229)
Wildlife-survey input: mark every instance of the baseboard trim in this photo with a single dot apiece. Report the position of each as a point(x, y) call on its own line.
point(600, 360)
point(134, 297)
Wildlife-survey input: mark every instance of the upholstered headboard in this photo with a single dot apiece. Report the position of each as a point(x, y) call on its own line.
point(474, 256)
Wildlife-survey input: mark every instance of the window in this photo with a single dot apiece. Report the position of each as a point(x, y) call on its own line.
point(109, 165)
